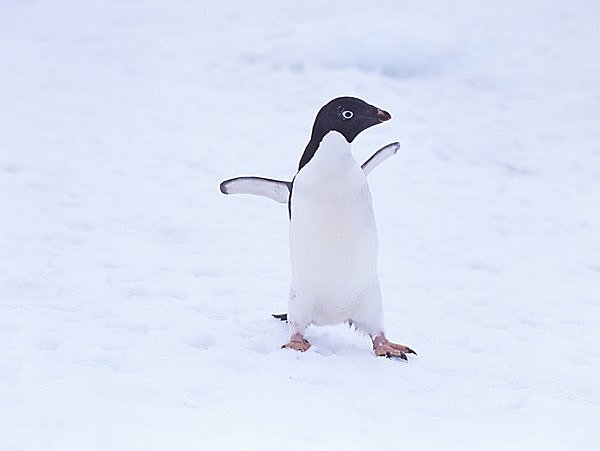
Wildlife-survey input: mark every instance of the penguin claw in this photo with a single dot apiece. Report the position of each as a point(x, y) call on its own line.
point(382, 347)
point(401, 356)
point(384, 350)
point(402, 348)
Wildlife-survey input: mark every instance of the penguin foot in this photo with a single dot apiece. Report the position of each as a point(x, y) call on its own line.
point(382, 347)
point(298, 343)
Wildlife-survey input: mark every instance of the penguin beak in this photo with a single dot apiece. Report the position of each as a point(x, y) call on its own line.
point(383, 115)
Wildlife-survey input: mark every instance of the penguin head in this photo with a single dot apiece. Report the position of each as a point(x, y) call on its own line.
point(348, 116)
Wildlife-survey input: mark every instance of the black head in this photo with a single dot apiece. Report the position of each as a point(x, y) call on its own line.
point(349, 116)
point(346, 115)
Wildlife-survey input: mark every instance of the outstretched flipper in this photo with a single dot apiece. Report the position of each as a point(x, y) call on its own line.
point(380, 156)
point(278, 190)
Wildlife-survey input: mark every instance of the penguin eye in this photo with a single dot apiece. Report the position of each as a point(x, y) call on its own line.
point(347, 114)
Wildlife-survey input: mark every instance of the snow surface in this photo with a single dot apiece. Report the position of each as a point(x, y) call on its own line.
point(135, 298)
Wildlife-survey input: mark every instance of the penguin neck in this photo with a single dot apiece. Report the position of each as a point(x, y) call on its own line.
point(331, 139)
point(332, 156)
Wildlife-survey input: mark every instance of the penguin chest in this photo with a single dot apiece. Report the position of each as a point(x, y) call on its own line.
point(333, 237)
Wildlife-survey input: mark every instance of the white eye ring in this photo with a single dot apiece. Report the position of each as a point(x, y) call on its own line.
point(347, 114)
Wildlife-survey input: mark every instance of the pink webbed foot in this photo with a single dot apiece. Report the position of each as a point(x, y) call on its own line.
point(298, 343)
point(384, 348)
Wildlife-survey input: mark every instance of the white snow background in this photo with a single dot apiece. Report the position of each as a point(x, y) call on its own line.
point(135, 298)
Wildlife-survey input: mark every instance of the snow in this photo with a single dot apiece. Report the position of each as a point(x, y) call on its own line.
point(135, 298)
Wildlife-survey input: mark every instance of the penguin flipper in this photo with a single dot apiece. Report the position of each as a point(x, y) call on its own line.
point(378, 157)
point(278, 190)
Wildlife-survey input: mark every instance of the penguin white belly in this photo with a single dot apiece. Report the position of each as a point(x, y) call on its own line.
point(333, 239)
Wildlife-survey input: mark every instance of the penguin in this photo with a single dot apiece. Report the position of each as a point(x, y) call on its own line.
point(332, 234)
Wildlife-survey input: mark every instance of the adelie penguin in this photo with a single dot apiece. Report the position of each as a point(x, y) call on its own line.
point(333, 237)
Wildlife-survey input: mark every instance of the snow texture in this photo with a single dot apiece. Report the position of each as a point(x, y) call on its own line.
point(135, 298)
